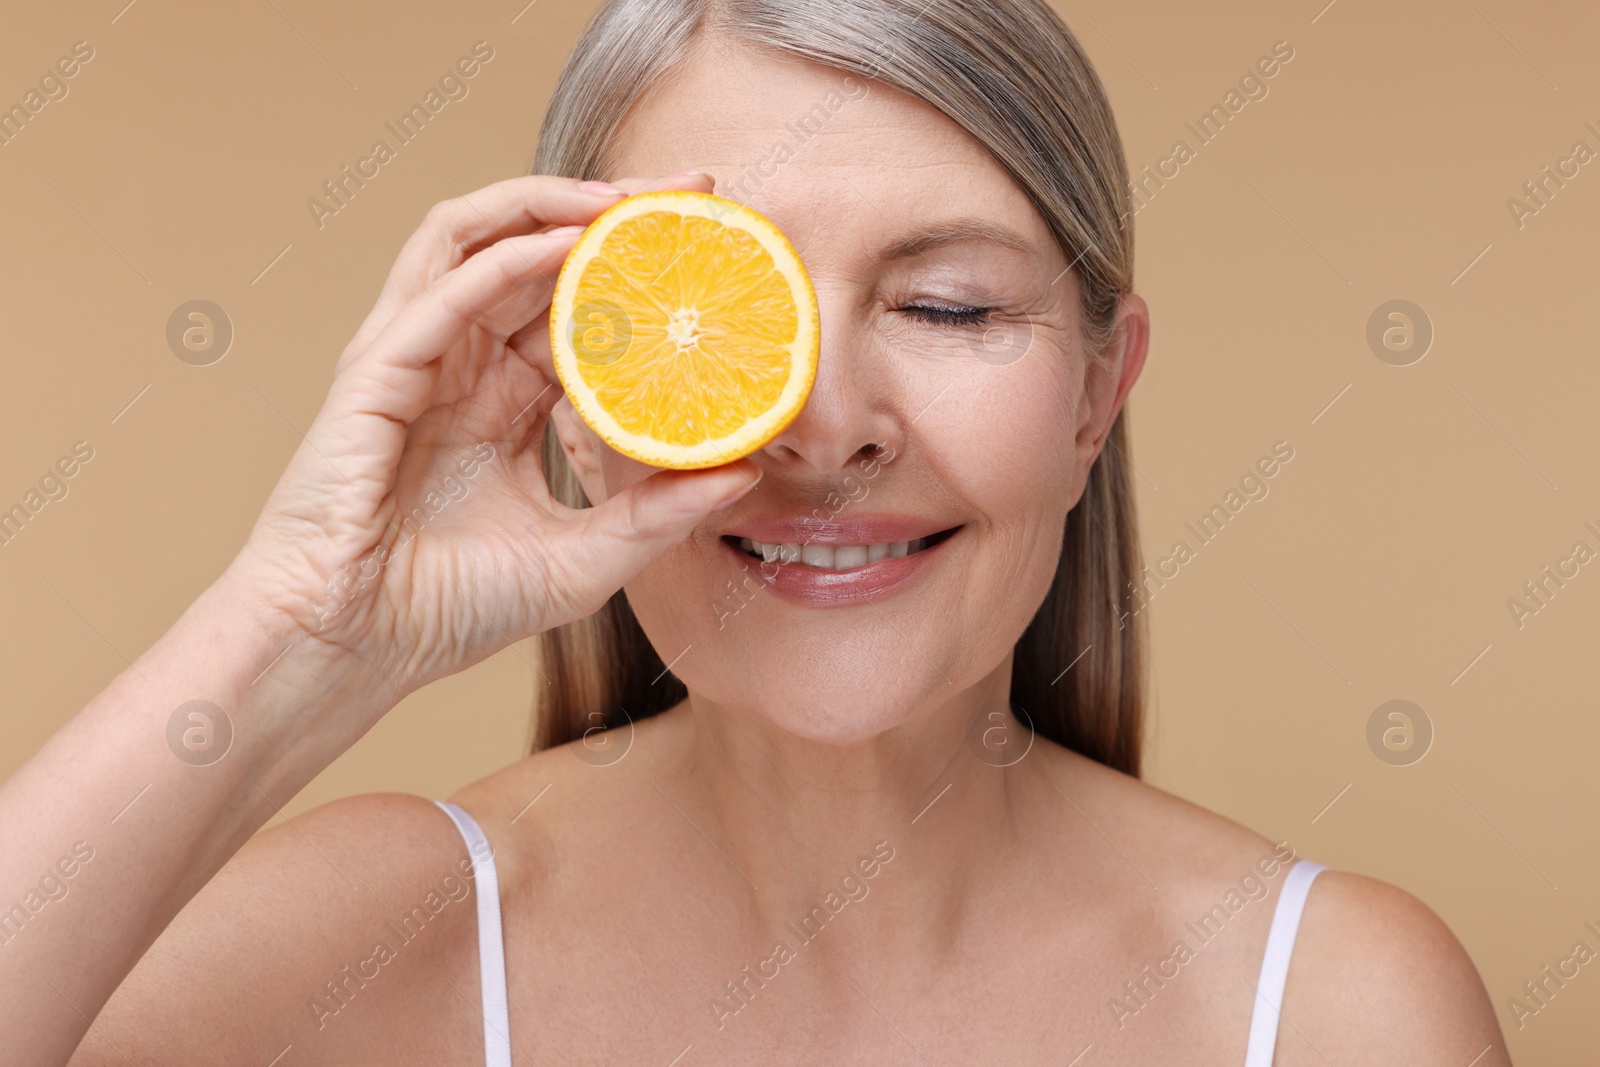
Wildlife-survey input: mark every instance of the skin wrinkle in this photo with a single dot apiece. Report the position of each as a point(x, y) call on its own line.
point(1021, 898)
point(806, 708)
point(1022, 901)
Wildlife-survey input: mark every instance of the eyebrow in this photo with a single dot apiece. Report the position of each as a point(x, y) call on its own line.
point(953, 232)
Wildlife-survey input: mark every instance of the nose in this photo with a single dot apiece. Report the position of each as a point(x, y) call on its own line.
point(851, 409)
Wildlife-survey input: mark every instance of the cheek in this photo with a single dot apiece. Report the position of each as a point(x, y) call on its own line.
point(1002, 439)
point(1007, 449)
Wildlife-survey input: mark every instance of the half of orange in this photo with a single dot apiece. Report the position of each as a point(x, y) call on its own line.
point(684, 329)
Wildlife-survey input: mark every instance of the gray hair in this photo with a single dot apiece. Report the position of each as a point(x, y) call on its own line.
point(1012, 75)
point(1009, 73)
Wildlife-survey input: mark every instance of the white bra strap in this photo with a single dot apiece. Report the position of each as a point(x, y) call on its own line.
point(491, 949)
point(1275, 963)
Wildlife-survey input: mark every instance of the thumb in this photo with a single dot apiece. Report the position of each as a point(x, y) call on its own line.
point(649, 517)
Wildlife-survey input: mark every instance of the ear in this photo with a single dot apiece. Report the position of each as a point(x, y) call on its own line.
point(1108, 379)
point(581, 445)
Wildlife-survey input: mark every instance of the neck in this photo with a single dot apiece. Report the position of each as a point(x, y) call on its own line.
point(799, 818)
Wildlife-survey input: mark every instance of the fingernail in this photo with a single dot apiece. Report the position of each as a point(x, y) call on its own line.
point(563, 231)
point(602, 189)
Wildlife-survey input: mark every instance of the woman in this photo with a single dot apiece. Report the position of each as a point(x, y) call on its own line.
point(814, 833)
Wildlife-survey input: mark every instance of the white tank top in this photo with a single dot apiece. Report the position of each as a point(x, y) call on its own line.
point(492, 960)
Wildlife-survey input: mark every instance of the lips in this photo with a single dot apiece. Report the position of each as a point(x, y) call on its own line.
point(821, 563)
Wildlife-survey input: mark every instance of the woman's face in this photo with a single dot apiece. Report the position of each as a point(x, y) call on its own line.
point(925, 417)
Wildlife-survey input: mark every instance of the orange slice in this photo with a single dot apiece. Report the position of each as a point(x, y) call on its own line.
point(684, 329)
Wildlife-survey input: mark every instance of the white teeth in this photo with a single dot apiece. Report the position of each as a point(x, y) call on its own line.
point(847, 556)
point(831, 557)
point(817, 556)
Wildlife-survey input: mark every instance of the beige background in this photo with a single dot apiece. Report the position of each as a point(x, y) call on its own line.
point(1379, 567)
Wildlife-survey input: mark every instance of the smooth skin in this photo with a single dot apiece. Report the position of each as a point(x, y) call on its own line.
point(1014, 903)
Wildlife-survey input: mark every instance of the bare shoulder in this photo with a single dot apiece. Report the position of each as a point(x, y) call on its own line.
point(1175, 842)
point(551, 812)
point(1377, 977)
point(338, 927)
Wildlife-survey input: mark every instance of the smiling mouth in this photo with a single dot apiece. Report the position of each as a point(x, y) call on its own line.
point(835, 557)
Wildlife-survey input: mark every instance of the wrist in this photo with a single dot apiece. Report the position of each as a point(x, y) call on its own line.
point(293, 701)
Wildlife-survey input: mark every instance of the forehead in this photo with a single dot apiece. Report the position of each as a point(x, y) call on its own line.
point(815, 148)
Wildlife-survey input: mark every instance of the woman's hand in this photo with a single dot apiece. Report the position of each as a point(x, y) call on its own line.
point(414, 528)
point(411, 535)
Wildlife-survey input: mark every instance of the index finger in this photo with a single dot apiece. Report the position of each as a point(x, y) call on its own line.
point(462, 225)
point(453, 230)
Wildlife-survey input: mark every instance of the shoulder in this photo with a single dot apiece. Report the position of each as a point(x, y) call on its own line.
point(352, 855)
point(1377, 977)
point(302, 923)
point(1176, 843)
point(550, 814)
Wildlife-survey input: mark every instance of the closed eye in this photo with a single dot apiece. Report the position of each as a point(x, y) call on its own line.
point(947, 316)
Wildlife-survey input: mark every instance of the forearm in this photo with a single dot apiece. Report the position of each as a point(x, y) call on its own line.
point(134, 805)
